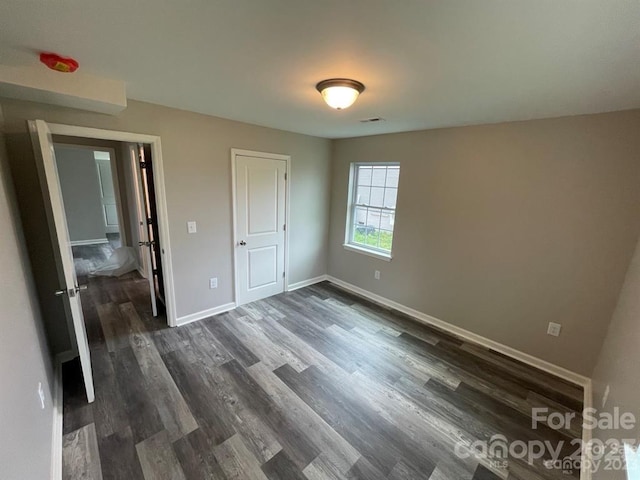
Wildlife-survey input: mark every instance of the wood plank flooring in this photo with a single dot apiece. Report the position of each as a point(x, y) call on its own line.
point(313, 384)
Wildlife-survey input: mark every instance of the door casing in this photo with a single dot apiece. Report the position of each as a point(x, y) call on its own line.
point(161, 199)
point(235, 152)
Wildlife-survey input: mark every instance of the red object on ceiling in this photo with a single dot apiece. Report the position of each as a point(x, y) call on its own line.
point(59, 63)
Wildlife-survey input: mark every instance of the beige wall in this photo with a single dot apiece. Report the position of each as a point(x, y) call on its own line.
point(25, 442)
point(503, 228)
point(196, 154)
point(619, 362)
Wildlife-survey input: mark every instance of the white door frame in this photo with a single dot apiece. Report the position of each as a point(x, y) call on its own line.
point(161, 198)
point(114, 177)
point(236, 152)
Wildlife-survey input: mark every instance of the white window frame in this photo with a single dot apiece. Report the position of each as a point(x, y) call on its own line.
point(352, 204)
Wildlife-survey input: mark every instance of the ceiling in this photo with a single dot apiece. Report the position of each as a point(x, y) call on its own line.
point(425, 64)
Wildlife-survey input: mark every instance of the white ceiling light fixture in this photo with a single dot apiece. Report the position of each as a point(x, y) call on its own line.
point(340, 93)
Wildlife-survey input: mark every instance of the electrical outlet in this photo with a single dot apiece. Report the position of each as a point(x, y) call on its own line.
point(191, 226)
point(41, 394)
point(554, 329)
point(213, 283)
point(376, 274)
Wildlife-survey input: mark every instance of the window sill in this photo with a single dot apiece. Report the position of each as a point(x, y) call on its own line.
point(371, 253)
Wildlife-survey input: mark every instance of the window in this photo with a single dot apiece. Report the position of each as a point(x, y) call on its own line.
point(372, 209)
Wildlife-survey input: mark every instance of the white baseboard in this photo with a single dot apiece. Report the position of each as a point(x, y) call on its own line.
point(92, 241)
point(306, 283)
point(56, 440)
point(467, 335)
point(194, 317)
point(581, 380)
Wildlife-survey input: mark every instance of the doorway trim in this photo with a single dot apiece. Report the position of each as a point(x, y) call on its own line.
point(161, 198)
point(236, 152)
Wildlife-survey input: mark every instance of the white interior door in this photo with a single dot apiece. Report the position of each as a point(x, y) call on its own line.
point(143, 230)
point(135, 192)
point(260, 196)
point(107, 193)
point(69, 291)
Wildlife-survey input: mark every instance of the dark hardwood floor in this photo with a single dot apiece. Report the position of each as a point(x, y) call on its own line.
point(313, 384)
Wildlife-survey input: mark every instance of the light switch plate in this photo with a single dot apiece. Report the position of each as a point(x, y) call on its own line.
point(554, 329)
point(376, 274)
point(191, 227)
point(213, 283)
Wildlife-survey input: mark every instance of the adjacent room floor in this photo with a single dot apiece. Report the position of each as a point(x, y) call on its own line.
point(314, 384)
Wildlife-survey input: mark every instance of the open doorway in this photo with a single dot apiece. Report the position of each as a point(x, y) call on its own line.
point(141, 208)
point(110, 207)
point(92, 203)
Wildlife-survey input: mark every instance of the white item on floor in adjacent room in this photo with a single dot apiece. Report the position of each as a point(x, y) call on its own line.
point(122, 260)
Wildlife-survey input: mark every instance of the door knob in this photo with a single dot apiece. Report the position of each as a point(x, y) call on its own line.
point(72, 292)
point(242, 243)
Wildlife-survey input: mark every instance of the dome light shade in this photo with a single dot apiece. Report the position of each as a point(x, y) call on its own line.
point(340, 93)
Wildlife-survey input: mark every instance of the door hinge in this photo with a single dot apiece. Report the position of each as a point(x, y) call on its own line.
point(282, 274)
point(154, 271)
point(285, 176)
point(143, 164)
point(149, 221)
point(284, 227)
